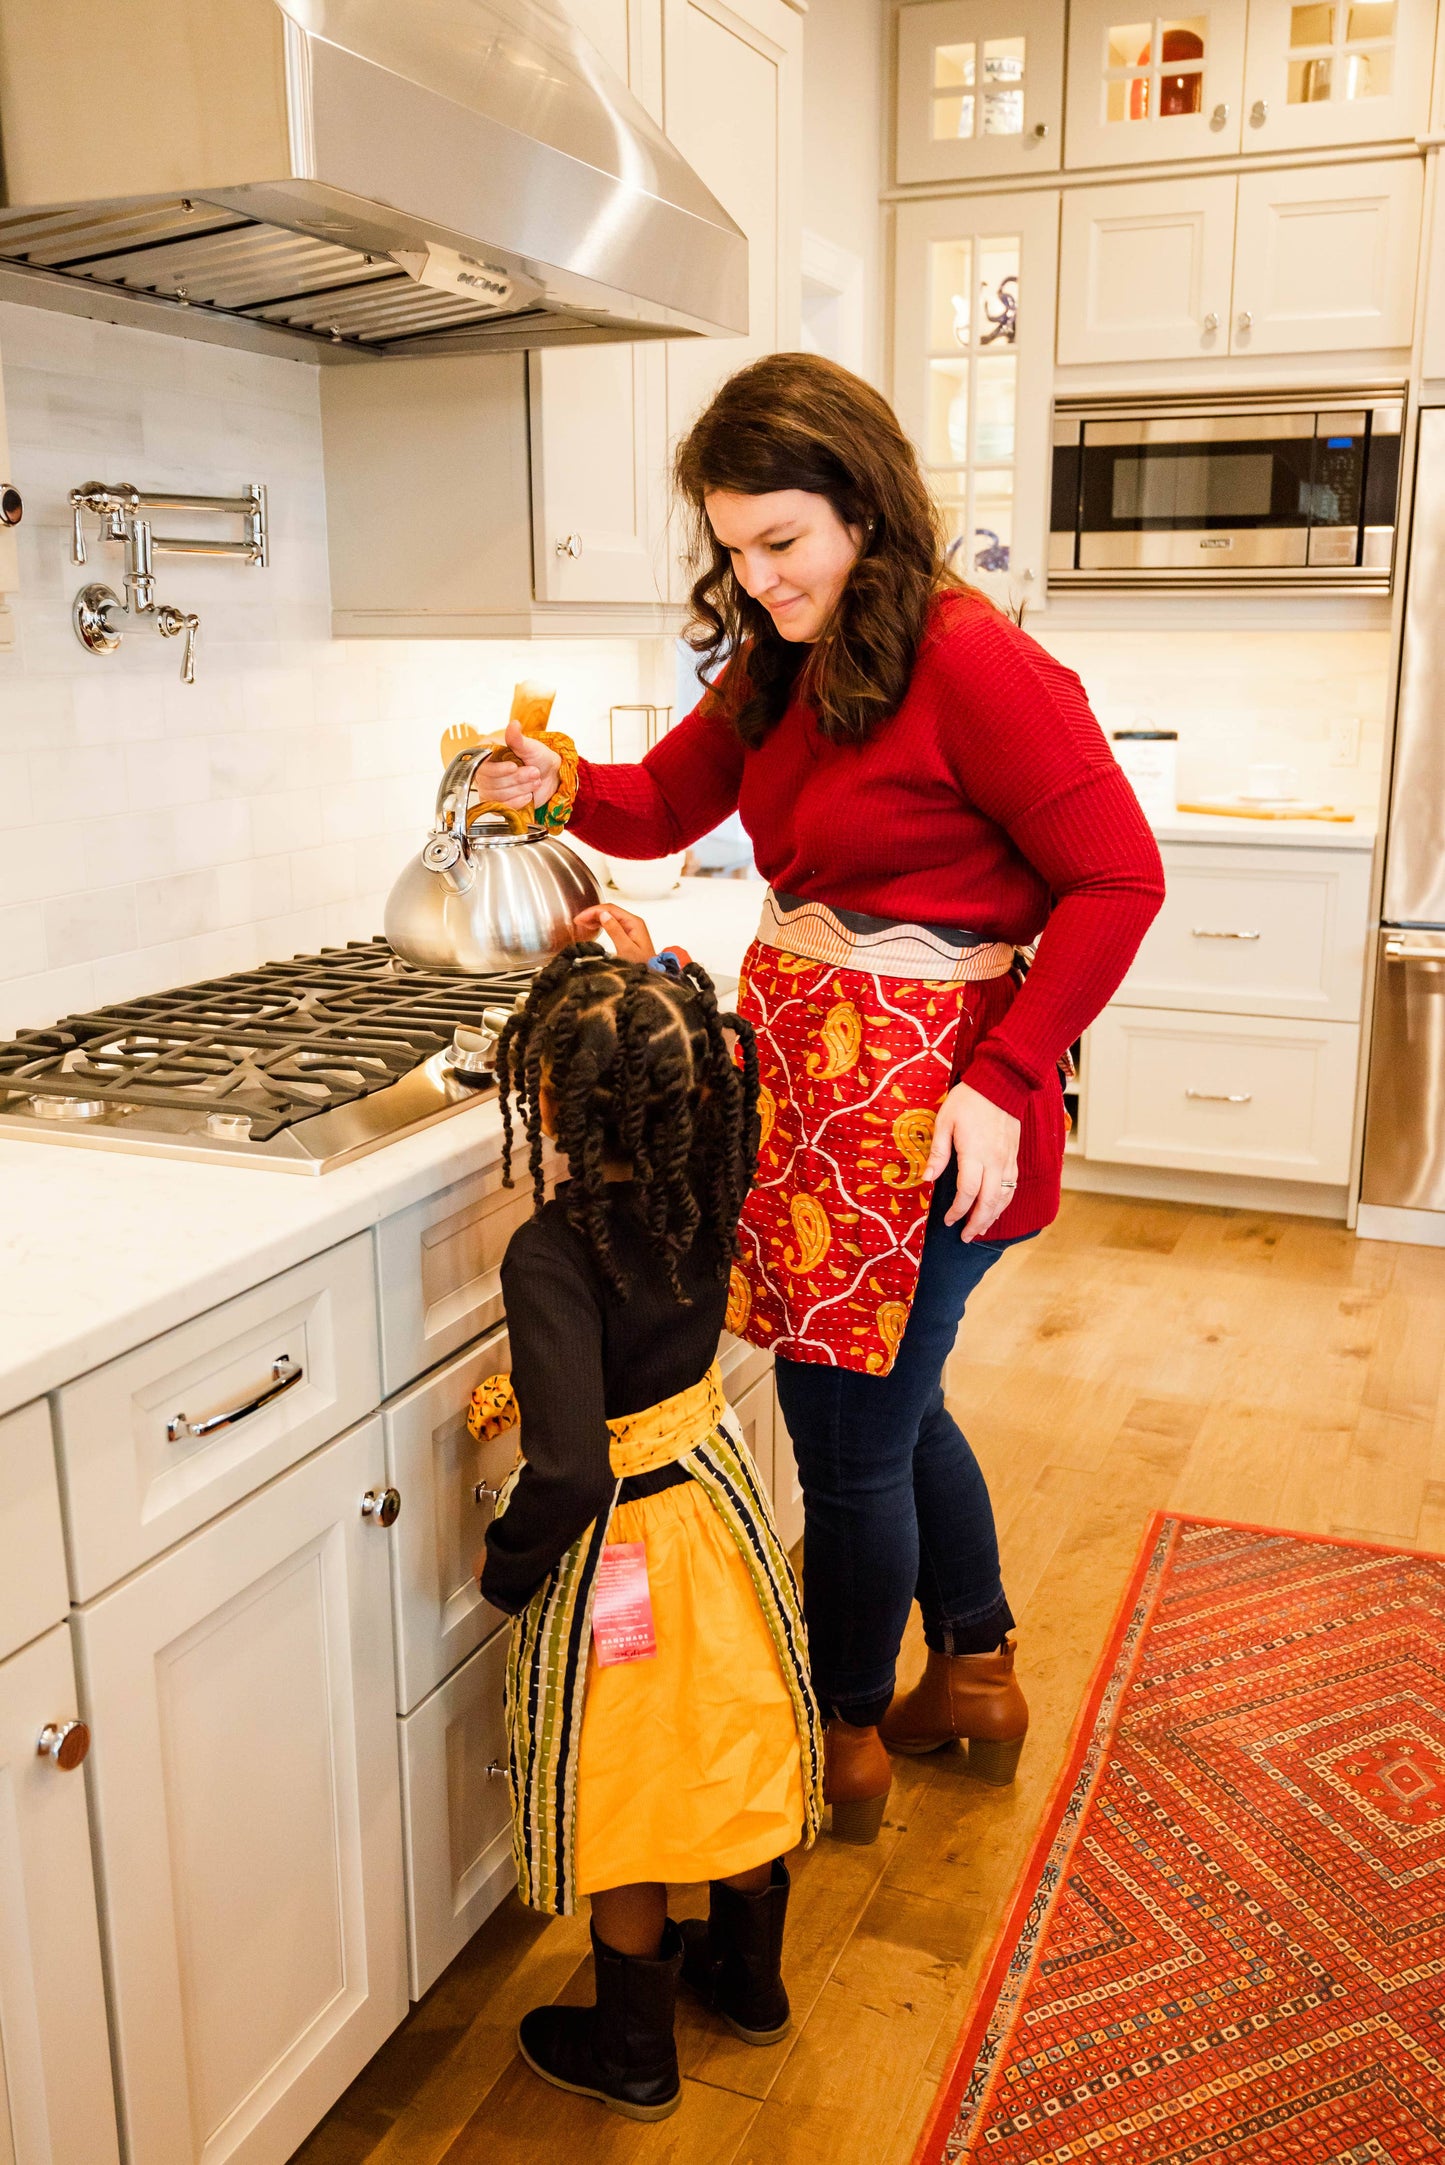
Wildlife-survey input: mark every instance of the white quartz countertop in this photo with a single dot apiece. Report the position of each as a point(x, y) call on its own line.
point(102, 1249)
point(1295, 833)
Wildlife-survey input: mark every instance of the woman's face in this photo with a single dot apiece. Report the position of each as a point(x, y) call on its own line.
point(790, 551)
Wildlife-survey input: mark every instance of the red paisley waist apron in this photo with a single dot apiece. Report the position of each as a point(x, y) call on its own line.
point(857, 1025)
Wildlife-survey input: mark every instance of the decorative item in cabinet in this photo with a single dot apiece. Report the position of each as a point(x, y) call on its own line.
point(1145, 270)
point(1336, 71)
point(1154, 86)
point(972, 374)
point(980, 88)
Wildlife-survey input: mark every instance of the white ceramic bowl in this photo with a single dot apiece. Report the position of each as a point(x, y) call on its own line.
point(645, 879)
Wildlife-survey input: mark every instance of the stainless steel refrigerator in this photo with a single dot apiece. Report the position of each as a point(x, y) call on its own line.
point(1404, 1166)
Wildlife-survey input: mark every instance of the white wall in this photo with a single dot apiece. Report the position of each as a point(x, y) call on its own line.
point(1237, 697)
point(842, 120)
point(153, 832)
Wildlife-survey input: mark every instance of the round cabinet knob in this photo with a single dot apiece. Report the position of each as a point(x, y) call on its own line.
point(495, 1770)
point(382, 1506)
point(1245, 318)
point(64, 1743)
point(1211, 321)
point(1259, 113)
point(484, 1492)
point(1219, 118)
point(12, 506)
point(570, 545)
point(1041, 131)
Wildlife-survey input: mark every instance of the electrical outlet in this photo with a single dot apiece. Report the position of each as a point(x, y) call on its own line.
point(1345, 741)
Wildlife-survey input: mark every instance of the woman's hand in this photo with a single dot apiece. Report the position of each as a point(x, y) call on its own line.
point(525, 780)
point(628, 934)
point(985, 1141)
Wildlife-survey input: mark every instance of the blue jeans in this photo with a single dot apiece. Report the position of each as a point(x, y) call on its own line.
point(896, 1506)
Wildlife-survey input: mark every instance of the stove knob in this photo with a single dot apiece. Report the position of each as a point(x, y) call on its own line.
point(230, 1127)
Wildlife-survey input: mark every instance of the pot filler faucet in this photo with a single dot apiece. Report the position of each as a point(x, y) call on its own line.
point(99, 615)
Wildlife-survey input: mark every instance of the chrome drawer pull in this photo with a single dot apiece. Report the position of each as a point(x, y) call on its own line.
point(285, 1373)
point(1221, 1097)
point(1202, 932)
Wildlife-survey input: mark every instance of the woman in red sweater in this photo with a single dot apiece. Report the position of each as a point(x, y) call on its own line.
point(927, 794)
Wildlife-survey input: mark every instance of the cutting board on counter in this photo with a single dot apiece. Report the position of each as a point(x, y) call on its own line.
point(1227, 808)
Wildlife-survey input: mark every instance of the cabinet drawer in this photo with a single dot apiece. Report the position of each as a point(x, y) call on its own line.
point(1257, 932)
point(131, 1487)
point(439, 1541)
point(741, 1365)
point(1222, 1094)
point(439, 1266)
point(33, 1589)
point(457, 1813)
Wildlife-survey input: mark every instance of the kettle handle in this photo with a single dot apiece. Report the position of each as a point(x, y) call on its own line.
point(456, 784)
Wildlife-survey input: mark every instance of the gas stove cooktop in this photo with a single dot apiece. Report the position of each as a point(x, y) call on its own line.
point(299, 1066)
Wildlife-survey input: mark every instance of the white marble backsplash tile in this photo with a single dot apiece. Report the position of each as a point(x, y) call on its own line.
point(153, 832)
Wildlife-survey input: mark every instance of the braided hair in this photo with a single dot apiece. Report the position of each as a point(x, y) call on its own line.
point(642, 1074)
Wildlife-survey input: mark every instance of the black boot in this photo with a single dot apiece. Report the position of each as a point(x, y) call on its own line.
point(734, 1962)
point(622, 2050)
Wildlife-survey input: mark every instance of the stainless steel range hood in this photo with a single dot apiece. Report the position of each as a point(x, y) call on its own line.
point(368, 177)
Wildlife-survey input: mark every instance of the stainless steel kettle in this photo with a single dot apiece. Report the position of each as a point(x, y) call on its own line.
point(485, 897)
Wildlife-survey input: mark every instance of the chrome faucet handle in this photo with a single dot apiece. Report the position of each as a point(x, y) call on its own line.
point(77, 529)
point(170, 623)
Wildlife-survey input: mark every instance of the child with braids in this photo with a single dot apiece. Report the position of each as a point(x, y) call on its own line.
point(660, 1721)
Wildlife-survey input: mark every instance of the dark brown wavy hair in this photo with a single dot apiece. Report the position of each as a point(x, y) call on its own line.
point(796, 421)
point(641, 1073)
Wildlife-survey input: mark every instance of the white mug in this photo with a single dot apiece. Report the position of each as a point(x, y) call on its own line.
point(1271, 780)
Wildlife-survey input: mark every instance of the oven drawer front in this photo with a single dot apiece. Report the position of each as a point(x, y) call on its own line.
point(438, 1544)
point(439, 1265)
point(265, 1378)
point(1257, 932)
point(457, 1813)
point(1222, 1094)
point(34, 1593)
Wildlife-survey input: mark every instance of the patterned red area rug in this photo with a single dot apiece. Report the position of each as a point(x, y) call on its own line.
point(1229, 1942)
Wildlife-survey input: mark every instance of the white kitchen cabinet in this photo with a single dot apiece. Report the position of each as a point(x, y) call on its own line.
point(1336, 71)
point(1325, 257)
point(980, 89)
point(34, 1593)
point(787, 1488)
point(56, 2104)
point(458, 1813)
point(755, 1409)
point(1145, 270)
point(1145, 87)
point(9, 539)
point(732, 103)
point(439, 1266)
point(597, 413)
point(246, 1802)
point(157, 1442)
point(438, 1545)
point(1251, 931)
point(972, 373)
point(1223, 1093)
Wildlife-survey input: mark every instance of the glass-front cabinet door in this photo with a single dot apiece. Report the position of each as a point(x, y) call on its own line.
point(1144, 87)
point(973, 368)
point(980, 88)
point(1336, 71)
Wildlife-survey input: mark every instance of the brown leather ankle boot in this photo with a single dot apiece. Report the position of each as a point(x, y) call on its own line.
point(973, 1698)
point(856, 1780)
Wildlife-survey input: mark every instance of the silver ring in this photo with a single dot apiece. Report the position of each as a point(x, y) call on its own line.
point(1008, 1184)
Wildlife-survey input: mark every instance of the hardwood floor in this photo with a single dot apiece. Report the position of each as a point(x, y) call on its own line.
point(1140, 1356)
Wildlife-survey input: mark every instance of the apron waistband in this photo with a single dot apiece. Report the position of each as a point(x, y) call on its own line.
point(884, 946)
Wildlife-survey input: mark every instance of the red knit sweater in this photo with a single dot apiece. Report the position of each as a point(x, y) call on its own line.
point(989, 801)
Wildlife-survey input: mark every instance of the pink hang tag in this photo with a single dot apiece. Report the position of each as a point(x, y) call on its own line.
point(622, 1606)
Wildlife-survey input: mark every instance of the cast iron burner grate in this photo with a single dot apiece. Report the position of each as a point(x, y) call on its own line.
point(278, 1044)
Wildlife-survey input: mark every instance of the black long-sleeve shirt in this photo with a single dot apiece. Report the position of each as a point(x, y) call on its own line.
point(581, 1356)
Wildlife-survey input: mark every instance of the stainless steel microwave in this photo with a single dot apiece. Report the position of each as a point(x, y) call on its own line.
point(1259, 490)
